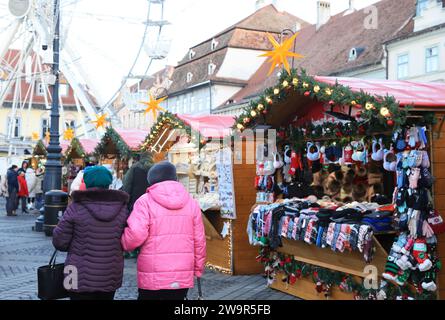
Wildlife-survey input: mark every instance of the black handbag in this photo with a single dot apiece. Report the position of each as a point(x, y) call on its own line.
point(50, 280)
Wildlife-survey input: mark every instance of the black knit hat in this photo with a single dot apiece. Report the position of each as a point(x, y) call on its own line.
point(162, 171)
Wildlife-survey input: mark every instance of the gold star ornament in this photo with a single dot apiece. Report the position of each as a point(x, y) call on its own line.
point(153, 105)
point(100, 121)
point(35, 136)
point(68, 134)
point(281, 52)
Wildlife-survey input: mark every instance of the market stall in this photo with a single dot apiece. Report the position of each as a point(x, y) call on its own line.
point(346, 200)
point(118, 147)
point(79, 152)
point(205, 167)
point(39, 153)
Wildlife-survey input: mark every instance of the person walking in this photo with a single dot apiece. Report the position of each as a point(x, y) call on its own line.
point(23, 191)
point(24, 167)
point(166, 223)
point(40, 174)
point(135, 180)
point(90, 231)
point(31, 181)
point(12, 190)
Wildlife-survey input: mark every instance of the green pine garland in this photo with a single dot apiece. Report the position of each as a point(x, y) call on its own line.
point(111, 135)
point(292, 270)
point(77, 148)
point(167, 119)
point(40, 149)
point(377, 110)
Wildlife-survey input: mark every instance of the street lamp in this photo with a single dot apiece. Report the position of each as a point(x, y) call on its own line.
point(53, 166)
point(291, 33)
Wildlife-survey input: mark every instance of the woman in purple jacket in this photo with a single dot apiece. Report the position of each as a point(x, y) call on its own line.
point(90, 231)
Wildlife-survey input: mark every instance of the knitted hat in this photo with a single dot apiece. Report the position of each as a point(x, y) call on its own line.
point(97, 177)
point(162, 171)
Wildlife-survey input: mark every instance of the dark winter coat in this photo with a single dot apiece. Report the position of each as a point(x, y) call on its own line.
point(13, 183)
point(90, 230)
point(135, 180)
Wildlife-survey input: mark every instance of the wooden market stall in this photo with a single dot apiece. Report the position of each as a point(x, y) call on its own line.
point(79, 152)
point(195, 145)
point(39, 153)
point(118, 147)
point(327, 129)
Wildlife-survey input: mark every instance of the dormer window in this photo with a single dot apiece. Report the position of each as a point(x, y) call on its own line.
point(211, 68)
point(214, 44)
point(421, 5)
point(189, 76)
point(191, 54)
point(354, 53)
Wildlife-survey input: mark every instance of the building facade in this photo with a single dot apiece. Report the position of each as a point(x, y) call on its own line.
point(420, 56)
point(25, 112)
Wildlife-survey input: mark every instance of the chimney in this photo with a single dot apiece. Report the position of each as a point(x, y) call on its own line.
point(351, 8)
point(262, 3)
point(323, 12)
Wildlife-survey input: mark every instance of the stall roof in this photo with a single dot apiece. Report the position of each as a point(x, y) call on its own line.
point(132, 137)
point(210, 126)
point(416, 94)
point(88, 145)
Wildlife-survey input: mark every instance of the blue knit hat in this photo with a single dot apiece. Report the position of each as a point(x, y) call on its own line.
point(162, 171)
point(97, 177)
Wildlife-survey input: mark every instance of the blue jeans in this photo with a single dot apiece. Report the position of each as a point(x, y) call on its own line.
point(39, 201)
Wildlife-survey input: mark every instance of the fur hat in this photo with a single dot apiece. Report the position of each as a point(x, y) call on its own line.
point(162, 171)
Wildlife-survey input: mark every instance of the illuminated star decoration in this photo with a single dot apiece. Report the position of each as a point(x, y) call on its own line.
point(35, 136)
point(68, 134)
point(153, 105)
point(281, 52)
point(100, 121)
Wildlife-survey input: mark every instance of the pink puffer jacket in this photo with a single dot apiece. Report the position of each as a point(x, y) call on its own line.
point(166, 223)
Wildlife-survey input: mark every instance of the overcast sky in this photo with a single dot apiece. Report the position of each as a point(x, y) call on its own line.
point(106, 34)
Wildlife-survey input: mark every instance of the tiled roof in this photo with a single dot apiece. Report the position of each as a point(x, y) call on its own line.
point(249, 33)
point(326, 51)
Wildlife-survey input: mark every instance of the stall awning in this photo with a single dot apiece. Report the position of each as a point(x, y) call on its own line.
point(209, 126)
point(416, 94)
point(133, 138)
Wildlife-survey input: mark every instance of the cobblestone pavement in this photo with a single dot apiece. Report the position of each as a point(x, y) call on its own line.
point(22, 251)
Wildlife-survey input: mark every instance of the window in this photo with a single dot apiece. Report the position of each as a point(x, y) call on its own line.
point(402, 66)
point(17, 126)
point(70, 124)
point(211, 68)
point(189, 76)
point(45, 125)
point(64, 89)
point(352, 54)
point(421, 5)
point(40, 89)
point(191, 54)
point(432, 59)
point(214, 44)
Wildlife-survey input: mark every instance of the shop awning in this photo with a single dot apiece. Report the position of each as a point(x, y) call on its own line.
point(133, 138)
point(209, 126)
point(416, 94)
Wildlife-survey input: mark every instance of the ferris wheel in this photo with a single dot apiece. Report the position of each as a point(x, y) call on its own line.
point(94, 38)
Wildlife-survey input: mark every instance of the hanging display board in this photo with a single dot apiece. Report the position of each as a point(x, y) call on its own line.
point(225, 183)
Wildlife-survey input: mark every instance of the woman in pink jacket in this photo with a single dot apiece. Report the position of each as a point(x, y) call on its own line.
point(166, 223)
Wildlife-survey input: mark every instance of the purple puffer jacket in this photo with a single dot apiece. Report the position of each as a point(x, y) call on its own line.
point(90, 230)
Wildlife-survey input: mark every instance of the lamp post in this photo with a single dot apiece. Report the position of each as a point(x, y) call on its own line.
point(291, 32)
point(53, 166)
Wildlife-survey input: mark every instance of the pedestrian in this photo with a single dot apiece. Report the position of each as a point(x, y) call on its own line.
point(135, 180)
point(40, 174)
point(13, 188)
point(166, 223)
point(24, 167)
point(31, 181)
point(23, 190)
point(90, 231)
